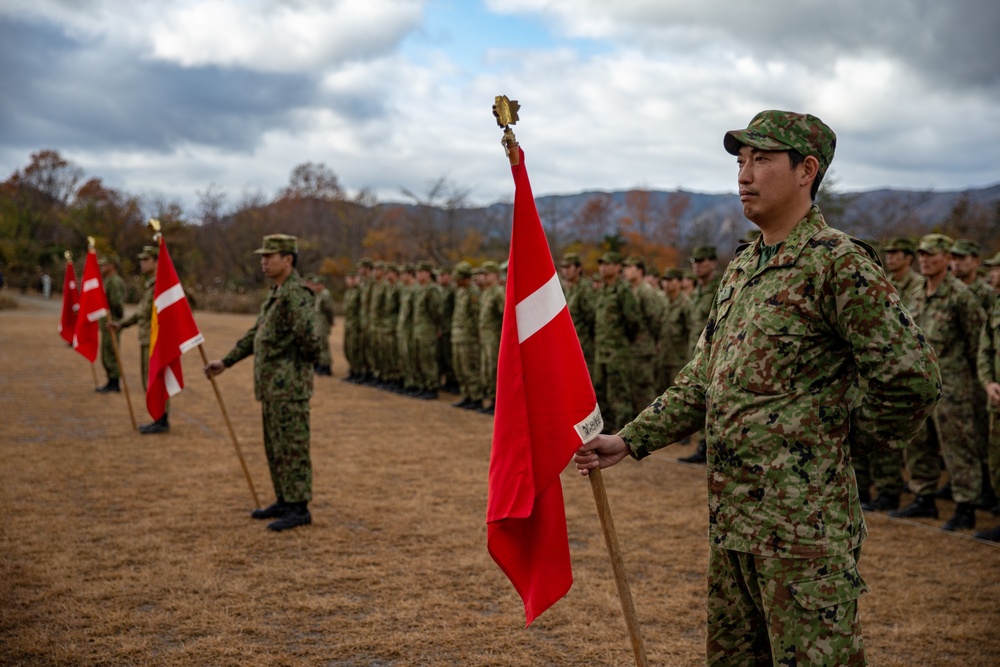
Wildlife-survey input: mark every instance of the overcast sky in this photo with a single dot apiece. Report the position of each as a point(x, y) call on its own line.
point(163, 98)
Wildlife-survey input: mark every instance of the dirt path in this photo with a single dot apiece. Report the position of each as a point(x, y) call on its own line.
point(119, 549)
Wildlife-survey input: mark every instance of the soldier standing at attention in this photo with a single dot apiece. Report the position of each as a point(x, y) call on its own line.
point(366, 284)
point(325, 316)
point(426, 330)
point(404, 331)
point(704, 261)
point(580, 299)
point(642, 353)
point(801, 315)
point(143, 315)
point(352, 328)
point(951, 319)
point(899, 257)
point(989, 377)
point(491, 303)
point(616, 324)
point(673, 351)
point(386, 313)
point(465, 339)
point(445, 362)
point(114, 288)
point(284, 345)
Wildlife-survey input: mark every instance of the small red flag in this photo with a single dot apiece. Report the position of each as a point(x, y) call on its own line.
point(172, 333)
point(545, 408)
point(70, 305)
point(93, 306)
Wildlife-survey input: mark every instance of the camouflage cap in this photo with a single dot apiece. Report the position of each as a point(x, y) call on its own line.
point(901, 244)
point(110, 259)
point(610, 257)
point(310, 278)
point(652, 271)
point(489, 266)
point(570, 259)
point(965, 247)
point(444, 270)
point(278, 243)
point(379, 265)
point(408, 268)
point(463, 270)
point(392, 267)
point(365, 261)
point(149, 252)
point(786, 130)
point(424, 265)
point(704, 252)
point(934, 244)
point(992, 261)
point(633, 260)
point(673, 274)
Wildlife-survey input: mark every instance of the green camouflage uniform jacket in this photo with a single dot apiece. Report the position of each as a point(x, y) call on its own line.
point(114, 288)
point(675, 332)
point(143, 313)
point(911, 283)
point(984, 293)
point(700, 306)
point(617, 320)
point(989, 351)
point(651, 316)
point(404, 317)
point(770, 379)
point(283, 342)
point(491, 303)
point(426, 311)
point(325, 312)
point(385, 307)
point(952, 319)
point(465, 317)
point(580, 300)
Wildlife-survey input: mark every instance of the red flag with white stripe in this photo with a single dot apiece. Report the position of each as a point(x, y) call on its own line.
point(93, 306)
point(545, 408)
point(172, 333)
point(70, 305)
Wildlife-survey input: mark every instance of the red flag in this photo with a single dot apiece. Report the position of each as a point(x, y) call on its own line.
point(172, 333)
point(70, 305)
point(545, 408)
point(93, 306)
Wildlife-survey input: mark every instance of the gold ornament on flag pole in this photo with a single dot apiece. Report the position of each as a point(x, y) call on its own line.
point(155, 227)
point(68, 256)
point(505, 110)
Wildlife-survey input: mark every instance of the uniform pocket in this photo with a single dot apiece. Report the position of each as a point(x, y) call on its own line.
point(769, 351)
point(829, 590)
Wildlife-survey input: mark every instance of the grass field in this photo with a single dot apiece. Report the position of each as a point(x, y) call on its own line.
point(119, 549)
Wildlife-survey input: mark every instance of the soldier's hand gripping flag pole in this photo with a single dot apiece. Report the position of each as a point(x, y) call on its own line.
point(545, 408)
point(173, 332)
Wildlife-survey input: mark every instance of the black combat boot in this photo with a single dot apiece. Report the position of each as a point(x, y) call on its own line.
point(700, 455)
point(882, 503)
point(992, 535)
point(964, 518)
point(161, 425)
point(275, 511)
point(296, 515)
point(110, 387)
point(944, 493)
point(921, 507)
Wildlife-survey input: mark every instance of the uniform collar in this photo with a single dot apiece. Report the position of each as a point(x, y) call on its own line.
point(791, 247)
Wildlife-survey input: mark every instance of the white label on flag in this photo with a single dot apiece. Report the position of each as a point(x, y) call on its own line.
point(170, 382)
point(193, 342)
point(90, 284)
point(169, 297)
point(539, 308)
point(97, 314)
point(592, 425)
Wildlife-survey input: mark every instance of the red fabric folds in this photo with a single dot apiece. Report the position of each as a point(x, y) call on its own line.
point(93, 306)
point(70, 305)
point(545, 408)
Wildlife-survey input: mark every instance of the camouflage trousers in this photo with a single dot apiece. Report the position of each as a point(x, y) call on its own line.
point(644, 389)
point(425, 359)
point(325, 358)
point(352, 349)
point(613, 386)
point(404, 360)
point(950, 432)
point(108, 359)
point(286, 443)
point(386, 357)
point(783, 611)
point(489, 351)
point(465, 357)
point(446, 363)
point(368, 349)
point(884, 470)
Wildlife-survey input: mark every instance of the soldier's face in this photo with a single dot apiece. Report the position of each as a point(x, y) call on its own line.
point(610, 271)
point(963, 266)
point(897, 260)
point(704, 267)
point(933, 266)
point(571, 272)
point(672, 286)
point(995, 277)
point(147, 265)
point(769, 186)
point(276, 265)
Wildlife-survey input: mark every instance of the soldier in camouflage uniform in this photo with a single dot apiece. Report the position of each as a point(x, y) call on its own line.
point(445, 362)
point(366, 284)
point(114, 289)
point(352, 328)
point(579, 292)
point(143, 315)
point(800, 315)
point(465, 339)
point(675, 330)
point(404, 331)
point(426, 330)
point(617, 321)
point(705, 261)
point(284, 345)
point(325, 316)
point(965, 263)
point(884, 470)
point(386, 312)
point(989, 377)
point(491, 303)
point(951, 319)
point(642, 353)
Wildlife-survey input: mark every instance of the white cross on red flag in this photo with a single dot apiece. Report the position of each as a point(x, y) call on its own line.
point(93, 306)
point(545, 408)
point(70, 305)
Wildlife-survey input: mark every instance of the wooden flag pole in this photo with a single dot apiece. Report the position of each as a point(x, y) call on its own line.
point(121, 371)
point(93, 370)
point(232, 433)
point(618, 566)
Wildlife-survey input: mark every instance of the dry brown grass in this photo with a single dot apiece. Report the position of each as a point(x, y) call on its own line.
point(117, 549)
